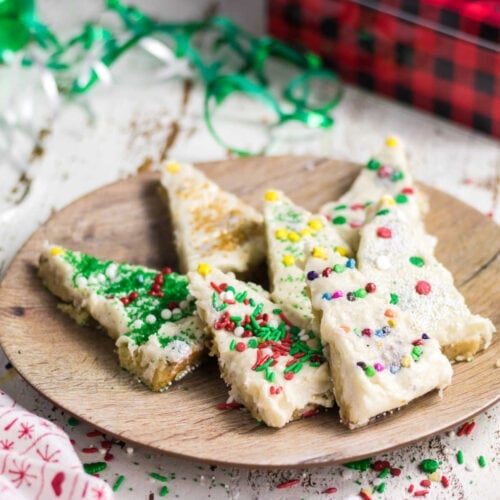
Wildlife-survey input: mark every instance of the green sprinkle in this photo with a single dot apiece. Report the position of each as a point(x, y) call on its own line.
point(158, 477)
point(276, 311)
point(94, 467)
point(338, 221)
point(232, 345)
point(338, 268)
point(360, 293)
point(401, 198)
point(384, 473)
point(429, 465)
point(340, 207)
point(417, 261)
point(482, 461)
point(384, 211)
point(235, 319)
point(73, 421)
point(362, 465)
point(373, 164)
point(460, 457)
point(394, 299)
point(380, 488)
point(241, 296)
point(416, 352)
point(252, 302)
point(163, 491)
point(269, 375)
point(252, 343)
point(370, 371)
point(118, 483)
point(397, 175)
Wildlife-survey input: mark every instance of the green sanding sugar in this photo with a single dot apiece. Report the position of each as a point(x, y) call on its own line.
point(429, 465)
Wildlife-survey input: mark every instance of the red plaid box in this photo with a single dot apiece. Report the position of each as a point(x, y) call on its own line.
point(439, 55)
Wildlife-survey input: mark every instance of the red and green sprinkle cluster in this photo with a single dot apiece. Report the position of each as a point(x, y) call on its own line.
point(149, 298)
point(271, 335)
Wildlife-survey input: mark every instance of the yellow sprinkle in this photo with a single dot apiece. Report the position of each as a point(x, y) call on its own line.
point(380, 345)
point(406, 361)
point(306, 232)
point(316, 224)
point(318, 252)
point(204, 269)
point(388, 199)
point(172, 167)
point(288, 260)
point(56, 251)
point(293, 236)
point(435, 476)
point(391, 323)
point(342, 251)
point(391, 142)
point(272, 196)
point(281, 234)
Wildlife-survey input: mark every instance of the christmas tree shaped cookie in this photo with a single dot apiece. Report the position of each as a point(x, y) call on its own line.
point(211, 225)
point(273, 367)
point(378, 359)
point(288, 227)
point(386, 173)
point(150, 314)
point(399, 254)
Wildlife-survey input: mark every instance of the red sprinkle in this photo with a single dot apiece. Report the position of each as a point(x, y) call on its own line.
point(229, 406)
point(108, 457)
point(395, 471)
point(444, 481)
point(125, 301)
point(357, 206)
point(331, 490)
point(462, 429)
point(365, 495)
point(407, 190)
point(288, 484)
point(367, 332)
point(371, 287)
point(93, 434)
point(166, 270)
point(421, 493)
point(426, 483)
point(470, 428)
point(384, 232)
point(418, 342)
point(133, 296)
point(380, 465)
point(423, 288)
point(288, 375)
point(411, 488)
point(285, 319)
point(91, 449)
point(326, 272)
point(241, 346)
point(310, 413)
point(355, 224)
point(106, 444)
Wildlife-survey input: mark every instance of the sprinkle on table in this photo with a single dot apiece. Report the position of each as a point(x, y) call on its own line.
point(164, 491)
point(95, 467)
point(429, 465)
point(460, 457)
point(118, 483)
point(481, 461)
point(288, 484)
point(361, 465)
point(158, 477)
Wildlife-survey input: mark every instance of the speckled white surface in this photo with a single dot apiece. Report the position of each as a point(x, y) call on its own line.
point(119, 130)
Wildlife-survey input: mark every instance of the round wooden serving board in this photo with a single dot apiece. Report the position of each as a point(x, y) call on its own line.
point(76, 367)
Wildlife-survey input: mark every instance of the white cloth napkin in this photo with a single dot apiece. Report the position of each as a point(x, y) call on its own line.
point(37, 460)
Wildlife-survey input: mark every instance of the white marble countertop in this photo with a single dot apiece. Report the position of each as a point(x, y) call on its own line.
point(134, 125)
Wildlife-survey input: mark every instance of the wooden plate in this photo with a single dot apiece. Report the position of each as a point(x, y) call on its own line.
point(76, 368)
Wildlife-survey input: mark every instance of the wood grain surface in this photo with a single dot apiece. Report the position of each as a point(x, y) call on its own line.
point(77, 369)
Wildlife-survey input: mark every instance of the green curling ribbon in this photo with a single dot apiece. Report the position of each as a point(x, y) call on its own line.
point(236, 62)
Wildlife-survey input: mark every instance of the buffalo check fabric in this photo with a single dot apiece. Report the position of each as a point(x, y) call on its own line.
point(439, 55)
point(37, 460)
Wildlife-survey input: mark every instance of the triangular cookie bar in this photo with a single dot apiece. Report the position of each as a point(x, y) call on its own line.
point(288, 227)
point(379, 361)
point(149, 313)
point(276, 369)
point(211, 225)
point(386, 173)
point(399, 254)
